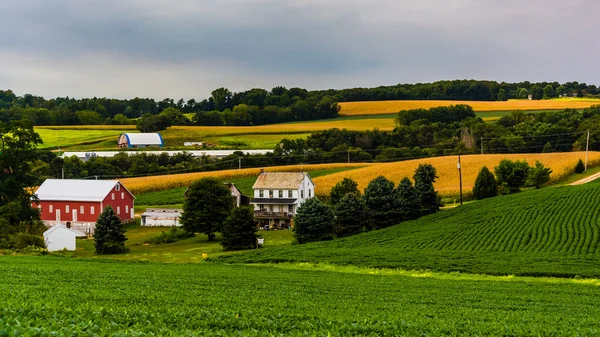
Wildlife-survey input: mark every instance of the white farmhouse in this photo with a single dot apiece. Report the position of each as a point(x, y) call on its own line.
point(277, 196)
point(161, 217)
point(59, 237)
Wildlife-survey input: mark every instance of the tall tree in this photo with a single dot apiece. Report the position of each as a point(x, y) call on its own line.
point(239, 229)
point(425, 176)
point(18, 143)
point(342, 188)
point(351, 215)
point(408, 200)
point(485, 185)
point(538, 175)
point(313, 222)
point(512, 174)
point(109, 235)
point(208, 203)
point(221, 98)
point(381, 199)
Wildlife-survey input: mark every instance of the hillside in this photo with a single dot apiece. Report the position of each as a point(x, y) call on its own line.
point(392, 107)
point(553, 231)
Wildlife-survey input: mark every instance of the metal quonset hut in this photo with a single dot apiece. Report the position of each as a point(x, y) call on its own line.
point(140, 140)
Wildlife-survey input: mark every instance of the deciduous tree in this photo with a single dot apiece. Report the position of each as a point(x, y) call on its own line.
point(538, 175)
point(512, 174)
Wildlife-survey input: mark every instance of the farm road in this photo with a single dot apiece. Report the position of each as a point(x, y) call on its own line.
point(586, 180)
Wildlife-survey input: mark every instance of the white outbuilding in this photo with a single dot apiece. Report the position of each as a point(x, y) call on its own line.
point(161, 217)
point(59, 237)
point(140, 140)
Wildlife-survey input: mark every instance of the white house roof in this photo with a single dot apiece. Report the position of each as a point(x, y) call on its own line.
point(144, 138)
point(282, 180)
point(63, 228)
point(163, 212)
point(75, 189)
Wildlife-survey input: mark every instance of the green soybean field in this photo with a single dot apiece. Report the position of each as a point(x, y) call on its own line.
point(48, 296)
point(551, 232)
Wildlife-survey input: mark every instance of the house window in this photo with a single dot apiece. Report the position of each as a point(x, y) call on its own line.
point(91, 209)
point(261, 207)
point(126, 209)
point(270, 193)
point(271, 208)
point(81, 209)
point(261, 194)
point(67, 209)
point(112, 195)
point(51, 209)
point(301, 193)
point(290, 208)
point(118, 209)
point(122, 195)
point(117, 187)
point(290, 194)
point(281, 193)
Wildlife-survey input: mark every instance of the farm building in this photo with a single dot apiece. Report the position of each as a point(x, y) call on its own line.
point(239, 199)
point(59, 237)
point(277, 196)
point(140, 140)
point(78, 203)
point(161, 217)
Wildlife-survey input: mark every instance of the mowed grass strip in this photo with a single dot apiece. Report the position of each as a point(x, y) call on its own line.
point(117, 299)
point(391, 107)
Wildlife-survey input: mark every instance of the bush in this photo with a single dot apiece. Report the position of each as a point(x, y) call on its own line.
point(24, 240)
point(172, 235)
point(580, 167)
point(485, 185)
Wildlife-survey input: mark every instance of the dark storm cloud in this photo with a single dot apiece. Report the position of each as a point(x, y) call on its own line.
point(185, 48)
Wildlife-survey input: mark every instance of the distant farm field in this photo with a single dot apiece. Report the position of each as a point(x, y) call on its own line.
point(72, 137)
point(390, 107)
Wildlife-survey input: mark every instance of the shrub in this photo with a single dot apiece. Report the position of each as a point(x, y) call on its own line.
point(485, 185)
point(172, 235)
point(580, 167)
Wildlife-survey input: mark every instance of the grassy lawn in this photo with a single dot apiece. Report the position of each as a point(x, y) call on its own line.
point(188, 250)
point(64, 138)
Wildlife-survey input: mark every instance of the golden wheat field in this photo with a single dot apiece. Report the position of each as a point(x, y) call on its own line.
point(165, 182)
point(391, 107)
point(562, 164)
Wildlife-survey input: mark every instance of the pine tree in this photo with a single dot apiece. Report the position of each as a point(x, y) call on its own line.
point(408, 200)
point(485, 185)
point(429, 199)
point(109, 235)
point(239, 229)
point(313, 222)
point(381, 199)
point(351, 215)
point(342, 188)
point(208, 203)
point(580, 167)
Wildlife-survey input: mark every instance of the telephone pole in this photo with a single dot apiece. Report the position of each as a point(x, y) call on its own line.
point(460, 176)
point(587, 146)
point(239, 163)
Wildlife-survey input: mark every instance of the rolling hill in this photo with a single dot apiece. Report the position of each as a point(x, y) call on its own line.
point(550, 232)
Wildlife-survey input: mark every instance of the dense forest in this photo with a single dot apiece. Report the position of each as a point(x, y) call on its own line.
point(420, 133)
point(260, 106)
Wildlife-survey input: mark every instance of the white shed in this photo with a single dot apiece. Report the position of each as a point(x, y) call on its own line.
point(59, 237)
point(140, 140)
point(161, 217)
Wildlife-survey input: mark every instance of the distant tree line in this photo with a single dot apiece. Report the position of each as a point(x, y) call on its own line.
point(259, 106)
point(382, 205)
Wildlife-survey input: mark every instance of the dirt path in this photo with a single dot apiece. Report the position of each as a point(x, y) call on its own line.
point(586, 180)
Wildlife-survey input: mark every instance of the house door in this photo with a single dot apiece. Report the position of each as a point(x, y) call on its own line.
point(58, 215)
point(74, 215)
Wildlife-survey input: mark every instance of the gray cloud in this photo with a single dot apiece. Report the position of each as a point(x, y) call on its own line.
point(186, 48)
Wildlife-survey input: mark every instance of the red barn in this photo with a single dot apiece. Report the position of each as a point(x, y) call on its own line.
point(78, 203)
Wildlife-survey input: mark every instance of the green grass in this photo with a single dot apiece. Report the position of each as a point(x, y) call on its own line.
point(85, 138)
point(42, 296)
point(175, 195)
point(552, 231)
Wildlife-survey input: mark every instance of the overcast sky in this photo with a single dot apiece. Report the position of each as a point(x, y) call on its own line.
point(186, 48)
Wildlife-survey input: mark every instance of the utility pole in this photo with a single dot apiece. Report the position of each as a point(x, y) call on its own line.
point(239, 163)
point(587, 147)
point(459, 176)
point(63, 172)
point(481, 141)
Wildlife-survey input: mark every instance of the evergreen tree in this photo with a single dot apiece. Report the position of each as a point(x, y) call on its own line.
point(351, 215)
point(109, 235)
point(342, 188)
point(239, 229)
point(429, 199)
point(485, 185)
point(381, 199)
point(208, 202)
point(580, 167)
point(408, 200)
point(313, 222)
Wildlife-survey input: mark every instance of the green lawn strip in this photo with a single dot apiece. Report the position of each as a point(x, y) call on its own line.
point(175, 195)
point(67, 297)
point(546, 232)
